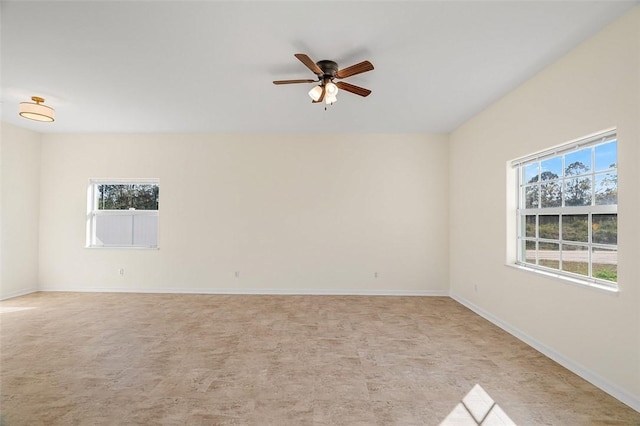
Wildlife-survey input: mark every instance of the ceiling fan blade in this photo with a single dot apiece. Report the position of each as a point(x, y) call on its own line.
point(353, 89)
point(359, 68)
point(321, 98)
point(309, 63)
point(293, 81)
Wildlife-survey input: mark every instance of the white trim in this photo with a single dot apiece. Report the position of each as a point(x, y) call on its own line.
point(253, 291)
point(125, 181)
point(569, 210)
point(123, 247)
point(612, 389)
point(126, 212)
point(579, 280)
point(18, 293)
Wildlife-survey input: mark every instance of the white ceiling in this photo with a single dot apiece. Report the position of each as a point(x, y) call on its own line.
point(183, 66)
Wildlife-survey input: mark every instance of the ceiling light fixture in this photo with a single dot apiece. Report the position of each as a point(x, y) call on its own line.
point(332, 89)
point(330, 100)
point(36, 110)
point(327, 71)
point(315, 93)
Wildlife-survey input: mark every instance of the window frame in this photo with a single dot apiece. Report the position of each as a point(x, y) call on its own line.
point(522, 212)
point(93, 211)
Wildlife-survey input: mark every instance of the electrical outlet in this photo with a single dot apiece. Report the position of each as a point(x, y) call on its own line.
point(237, 274)
point(121, 272)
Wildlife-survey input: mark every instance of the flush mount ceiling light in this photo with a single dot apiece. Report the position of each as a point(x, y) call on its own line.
point(36, 110)
point(327, 71)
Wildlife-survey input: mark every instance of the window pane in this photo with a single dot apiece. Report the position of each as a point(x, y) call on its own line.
point(604, 264)
point(549, 255)
point(578, 162)
point(577, 192)
point(125, 197)
point(551, 194)
point(575, 227)
point(530, 252)
point(531, 196)
point(550, 227)
point(551, 169)
point(567, 207)
point(606, 156)
point(575, 259)
point(531, 172)
point(145, 230)
point(114, 230)
point(530, 226)
point(607, 188)
point(604, 228)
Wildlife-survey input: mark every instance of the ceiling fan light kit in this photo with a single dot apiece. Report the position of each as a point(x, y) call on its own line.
point(332, 89)
point(37, 110)
point(315, 93)
point(326, 72)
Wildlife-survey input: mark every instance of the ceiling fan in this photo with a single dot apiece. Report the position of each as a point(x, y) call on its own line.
point(327, 71)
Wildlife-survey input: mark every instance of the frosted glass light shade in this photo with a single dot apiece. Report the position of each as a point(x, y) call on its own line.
point(330, 99)
point(332, 89)
point(315, 93)
point(37, 110)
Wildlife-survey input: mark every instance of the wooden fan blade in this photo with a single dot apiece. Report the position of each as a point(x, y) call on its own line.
point(309, 63)
point(293, 81)
point(321, 98)
point(363, 66)
point(353, 89)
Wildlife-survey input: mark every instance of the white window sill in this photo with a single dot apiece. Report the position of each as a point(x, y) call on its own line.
point(121, 248)
point(567, 279)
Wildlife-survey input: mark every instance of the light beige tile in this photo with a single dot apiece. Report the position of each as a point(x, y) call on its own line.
point(83, 358)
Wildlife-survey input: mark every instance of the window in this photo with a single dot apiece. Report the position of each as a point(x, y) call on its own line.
point(567, 216)
point(123, 213)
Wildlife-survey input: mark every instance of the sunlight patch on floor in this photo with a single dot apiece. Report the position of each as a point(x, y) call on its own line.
point(477, 408)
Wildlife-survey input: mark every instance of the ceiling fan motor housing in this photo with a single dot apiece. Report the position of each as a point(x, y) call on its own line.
point(329, 68)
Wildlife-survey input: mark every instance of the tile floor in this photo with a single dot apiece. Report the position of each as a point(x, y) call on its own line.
point(138, 359)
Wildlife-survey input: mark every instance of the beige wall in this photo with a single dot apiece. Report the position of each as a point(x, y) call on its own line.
point(291, 213)
point(19, 209)
point(595, 87)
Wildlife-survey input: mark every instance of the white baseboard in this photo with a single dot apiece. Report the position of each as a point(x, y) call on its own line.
point(18, 293)
point(253, 291)
point(610, 388)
